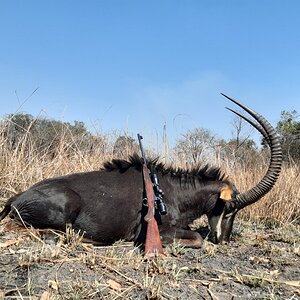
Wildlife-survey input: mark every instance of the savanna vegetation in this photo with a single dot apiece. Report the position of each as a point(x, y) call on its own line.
point(261, 264)
point(36, 148)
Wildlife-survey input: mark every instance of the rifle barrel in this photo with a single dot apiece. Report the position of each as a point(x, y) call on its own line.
point(141, 147)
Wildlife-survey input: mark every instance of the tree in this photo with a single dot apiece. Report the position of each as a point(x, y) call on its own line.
point(234, 153)
point(15, 126)
point(289, 130)
point(43, 133)
point(124, 146)
point(240, 148)
point(196, 146)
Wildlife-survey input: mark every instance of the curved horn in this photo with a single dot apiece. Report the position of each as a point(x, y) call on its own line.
point(268, 181)
point(257, 126)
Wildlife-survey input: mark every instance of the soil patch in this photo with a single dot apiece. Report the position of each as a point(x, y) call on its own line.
point(260, 263)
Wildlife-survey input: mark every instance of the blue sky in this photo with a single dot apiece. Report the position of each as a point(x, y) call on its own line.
point(137, 65)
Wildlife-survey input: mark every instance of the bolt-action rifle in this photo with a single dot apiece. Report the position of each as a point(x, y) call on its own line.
point(153, 245)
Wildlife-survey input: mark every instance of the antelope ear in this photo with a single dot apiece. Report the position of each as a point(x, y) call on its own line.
point(226, 193)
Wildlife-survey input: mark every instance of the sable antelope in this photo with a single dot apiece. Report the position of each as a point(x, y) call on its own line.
point(107, 205)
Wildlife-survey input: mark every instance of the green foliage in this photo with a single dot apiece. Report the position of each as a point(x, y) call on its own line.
point(288, 123)
point(43, 133)
point(289, 130)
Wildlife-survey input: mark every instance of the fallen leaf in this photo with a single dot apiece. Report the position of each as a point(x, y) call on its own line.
point(9, 243)
point(20, 251)
point(274, 273)
point(114, 285)
point(11, 251)
point(45, 296)
point(297, 292)
point(258, 260)
point(52, 284)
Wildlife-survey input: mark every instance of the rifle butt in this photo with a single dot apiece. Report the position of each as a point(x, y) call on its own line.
point(153, 245)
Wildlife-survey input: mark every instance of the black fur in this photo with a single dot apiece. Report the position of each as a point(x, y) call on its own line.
point(107, 204)
point(201, 173)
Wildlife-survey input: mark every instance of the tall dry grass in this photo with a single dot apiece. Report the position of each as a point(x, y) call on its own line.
point(25, 164)
point(281, 204)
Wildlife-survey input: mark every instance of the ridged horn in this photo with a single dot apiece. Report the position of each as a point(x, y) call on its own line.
point(268, 181)
point(257, 126)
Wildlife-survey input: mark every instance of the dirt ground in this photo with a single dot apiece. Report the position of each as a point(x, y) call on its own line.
point(261, 262)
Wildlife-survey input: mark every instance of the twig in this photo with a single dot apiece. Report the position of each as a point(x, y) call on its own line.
point(212, 295)
point(123, 292)
point(294, 283)
point(119, 273)
point(32, 234)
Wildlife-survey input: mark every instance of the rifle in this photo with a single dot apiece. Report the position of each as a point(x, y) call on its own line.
point(153, 245)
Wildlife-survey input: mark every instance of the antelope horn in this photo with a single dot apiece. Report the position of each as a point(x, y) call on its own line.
point(268, 181)
point(257, 126)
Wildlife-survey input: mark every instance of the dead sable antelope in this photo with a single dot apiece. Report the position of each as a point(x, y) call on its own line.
point(107, 205)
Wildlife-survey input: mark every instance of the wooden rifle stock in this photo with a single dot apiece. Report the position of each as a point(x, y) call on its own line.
point(153, 245)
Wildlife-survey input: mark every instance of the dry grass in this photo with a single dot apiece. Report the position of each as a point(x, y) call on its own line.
point(43, 264)
point(24, 165)
point(282, 204)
